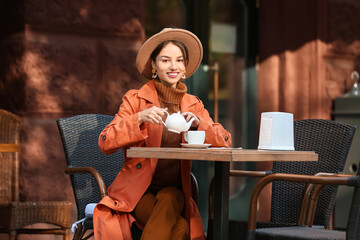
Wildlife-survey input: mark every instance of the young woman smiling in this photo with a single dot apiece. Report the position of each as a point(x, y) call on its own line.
point(155, 194)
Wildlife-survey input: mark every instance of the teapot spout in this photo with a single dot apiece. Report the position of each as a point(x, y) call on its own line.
point(188, 124)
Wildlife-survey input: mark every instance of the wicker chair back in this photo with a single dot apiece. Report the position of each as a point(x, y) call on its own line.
point(79, 136)
point(332, 141)
point(16, 216)
point(9, 164)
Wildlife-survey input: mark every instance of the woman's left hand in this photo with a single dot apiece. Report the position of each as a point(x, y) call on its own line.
point(188, 116)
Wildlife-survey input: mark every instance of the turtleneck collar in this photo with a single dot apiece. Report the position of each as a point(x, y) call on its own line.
point(170, 94)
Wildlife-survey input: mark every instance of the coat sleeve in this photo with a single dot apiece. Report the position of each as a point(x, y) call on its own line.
point(215, 133)
point(124, 129)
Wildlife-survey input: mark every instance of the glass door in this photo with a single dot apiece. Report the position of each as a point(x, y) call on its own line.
point(226, 79)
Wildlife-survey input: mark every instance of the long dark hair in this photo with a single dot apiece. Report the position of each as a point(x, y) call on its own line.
point(179, 44)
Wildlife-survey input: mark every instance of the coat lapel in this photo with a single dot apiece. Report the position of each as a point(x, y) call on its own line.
point(187, 101)
point(148, 92)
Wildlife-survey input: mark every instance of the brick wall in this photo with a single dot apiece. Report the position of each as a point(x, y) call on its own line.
point(62, 58)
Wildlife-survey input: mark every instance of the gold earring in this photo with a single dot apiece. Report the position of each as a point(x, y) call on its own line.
point(154, 73)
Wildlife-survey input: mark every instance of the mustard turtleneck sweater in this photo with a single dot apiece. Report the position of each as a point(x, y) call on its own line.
point(168, 171)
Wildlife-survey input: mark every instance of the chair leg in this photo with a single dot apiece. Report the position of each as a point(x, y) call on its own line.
point(79, 232)
point(12, 235)
point(66, 235)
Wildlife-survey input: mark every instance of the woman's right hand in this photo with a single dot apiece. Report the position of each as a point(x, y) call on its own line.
point(152, 115)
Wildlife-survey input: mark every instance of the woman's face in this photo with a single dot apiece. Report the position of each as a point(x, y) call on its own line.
point(169, 65)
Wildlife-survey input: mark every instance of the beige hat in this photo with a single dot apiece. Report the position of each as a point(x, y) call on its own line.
point(190, 40)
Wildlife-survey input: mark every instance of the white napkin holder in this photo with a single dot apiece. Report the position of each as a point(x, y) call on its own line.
point(276, 131)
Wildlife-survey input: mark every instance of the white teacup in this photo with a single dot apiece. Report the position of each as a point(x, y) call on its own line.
point(195, 137)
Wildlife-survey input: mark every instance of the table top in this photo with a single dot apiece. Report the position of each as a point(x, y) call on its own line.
point(6, 147)
point(221, 154)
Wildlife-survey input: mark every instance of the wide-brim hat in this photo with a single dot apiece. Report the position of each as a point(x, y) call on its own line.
point(190, 40)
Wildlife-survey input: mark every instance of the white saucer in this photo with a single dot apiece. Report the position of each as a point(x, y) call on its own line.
point(188, 145)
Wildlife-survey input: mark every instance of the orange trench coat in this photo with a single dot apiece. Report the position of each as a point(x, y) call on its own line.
point(112, 218)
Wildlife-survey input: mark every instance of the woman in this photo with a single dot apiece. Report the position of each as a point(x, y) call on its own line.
point(156, 194)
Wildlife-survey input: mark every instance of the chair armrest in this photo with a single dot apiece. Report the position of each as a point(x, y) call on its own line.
point(244, 173)
point(316, 193)
point(194, 188)
point(302, 220)
point(306, 194)
point(333, 180)
point(9, 147)
point(93, 172)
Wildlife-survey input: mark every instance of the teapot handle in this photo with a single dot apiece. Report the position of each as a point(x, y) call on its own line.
point(166, 118)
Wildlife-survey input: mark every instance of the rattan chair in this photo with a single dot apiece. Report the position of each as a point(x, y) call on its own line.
point(352, 231)
point(332, 141)
point(91, 171)
point(16, 215)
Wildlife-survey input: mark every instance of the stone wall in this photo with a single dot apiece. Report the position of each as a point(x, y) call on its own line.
point(62, 58)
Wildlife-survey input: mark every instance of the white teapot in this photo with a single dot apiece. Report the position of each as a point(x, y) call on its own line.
point(177, 123)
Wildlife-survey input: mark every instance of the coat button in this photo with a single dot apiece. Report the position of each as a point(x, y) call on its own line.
point(138, 165)
point(103, 137)
point(226, 138)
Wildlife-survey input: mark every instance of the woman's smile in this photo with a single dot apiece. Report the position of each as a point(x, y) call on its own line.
point(173, 74)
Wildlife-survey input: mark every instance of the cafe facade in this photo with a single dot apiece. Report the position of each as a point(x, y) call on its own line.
point(63, 58)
